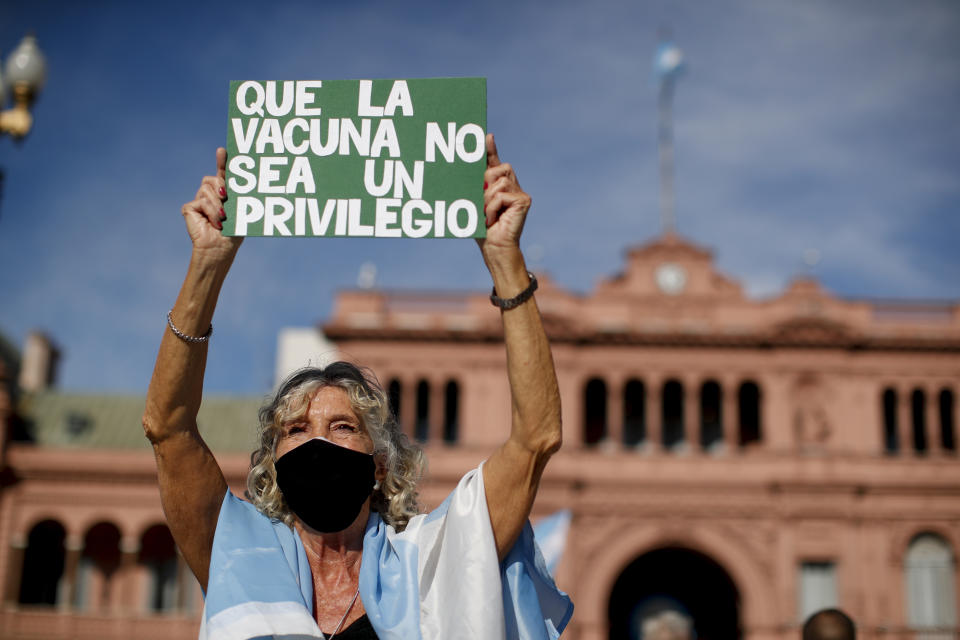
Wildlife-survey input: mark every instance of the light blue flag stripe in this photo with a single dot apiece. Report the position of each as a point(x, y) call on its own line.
point(551, 536)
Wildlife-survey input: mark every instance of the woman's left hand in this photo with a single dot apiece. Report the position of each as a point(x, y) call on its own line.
point(505, 206)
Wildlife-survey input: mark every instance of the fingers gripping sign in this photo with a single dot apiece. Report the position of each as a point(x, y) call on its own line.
point(505, 202)
point(204, 214)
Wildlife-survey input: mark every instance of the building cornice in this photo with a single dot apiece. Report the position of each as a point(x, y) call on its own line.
point(671, 339)
point(709, 310)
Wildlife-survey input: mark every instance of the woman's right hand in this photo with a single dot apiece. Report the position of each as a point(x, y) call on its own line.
point(204, 215)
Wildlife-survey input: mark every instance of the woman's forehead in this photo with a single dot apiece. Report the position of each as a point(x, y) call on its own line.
point(331, 402)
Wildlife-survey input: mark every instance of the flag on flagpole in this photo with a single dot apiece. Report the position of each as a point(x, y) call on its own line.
point(668, 62)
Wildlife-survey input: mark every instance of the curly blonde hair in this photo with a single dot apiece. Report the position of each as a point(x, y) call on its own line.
point(396, 500)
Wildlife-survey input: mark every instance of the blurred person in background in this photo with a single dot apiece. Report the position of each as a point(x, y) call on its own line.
point(829, 624)
point(668, 625)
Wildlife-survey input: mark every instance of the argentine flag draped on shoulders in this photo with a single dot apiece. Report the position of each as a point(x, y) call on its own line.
point(438, 579)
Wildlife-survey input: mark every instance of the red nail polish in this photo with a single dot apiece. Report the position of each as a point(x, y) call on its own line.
point(223, 214)
point(484, 185)
point(223, 192)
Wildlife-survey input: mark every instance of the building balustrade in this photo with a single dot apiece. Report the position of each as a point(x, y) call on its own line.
point(919, 420)
point(97, 576)
point(427, 408)
point(670, 414)
point(676, 415)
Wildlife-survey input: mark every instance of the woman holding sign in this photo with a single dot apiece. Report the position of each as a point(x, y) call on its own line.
point(331, 543)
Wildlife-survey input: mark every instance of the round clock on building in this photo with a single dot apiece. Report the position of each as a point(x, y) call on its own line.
point(671, 278)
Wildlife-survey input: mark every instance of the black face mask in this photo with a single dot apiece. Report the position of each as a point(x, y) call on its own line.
point(326, 484)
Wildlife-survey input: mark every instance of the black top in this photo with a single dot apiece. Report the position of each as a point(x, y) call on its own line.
point(360, 629)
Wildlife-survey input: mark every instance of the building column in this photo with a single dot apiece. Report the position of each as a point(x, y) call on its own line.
point(572, 410)
point(185, 593)
point(730, 415)
point(654, 408)
point(18, 547)
point(904, 421)
point(408, 405)
point(613, 439)
point(932, 414)
point(956, 420)
point(124, 599)
point(691, 416)
point(436, 409)
point(73, 548)
point(763, 413)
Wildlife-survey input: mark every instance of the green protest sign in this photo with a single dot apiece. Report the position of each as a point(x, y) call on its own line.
point(357, 158)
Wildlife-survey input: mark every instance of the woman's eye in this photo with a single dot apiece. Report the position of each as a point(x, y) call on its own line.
point(295, 428)
point(349, 428)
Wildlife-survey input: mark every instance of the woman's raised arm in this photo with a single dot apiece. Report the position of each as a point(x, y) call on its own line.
point(191, 483)
point(512, 474)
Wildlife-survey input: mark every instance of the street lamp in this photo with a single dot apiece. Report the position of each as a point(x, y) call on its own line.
point(25, 73)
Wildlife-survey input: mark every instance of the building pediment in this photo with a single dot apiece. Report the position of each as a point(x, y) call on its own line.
point(670, 246)
point(670, 268)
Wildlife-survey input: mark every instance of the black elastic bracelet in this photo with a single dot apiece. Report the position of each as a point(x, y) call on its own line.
point(518, 299)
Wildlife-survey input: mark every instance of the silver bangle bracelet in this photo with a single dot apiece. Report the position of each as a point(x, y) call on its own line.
point(180, 334)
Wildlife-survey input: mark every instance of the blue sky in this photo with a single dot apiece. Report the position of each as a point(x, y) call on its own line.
point(800, 124)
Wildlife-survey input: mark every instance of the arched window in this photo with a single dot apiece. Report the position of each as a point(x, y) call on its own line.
point(711, 425)
point(97, 567)
point(672, 414)
point(451, 412)
point(158, 555)
point(595, 411)
point(421, 429)
point(634, 413)
point(43, 563)
point(749, 401)
point(393, 395)
point(930, 584)
point(948, 438)
point(918, 415)
point(891, 442)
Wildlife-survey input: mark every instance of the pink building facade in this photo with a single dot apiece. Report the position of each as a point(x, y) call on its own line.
point(741, 462)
